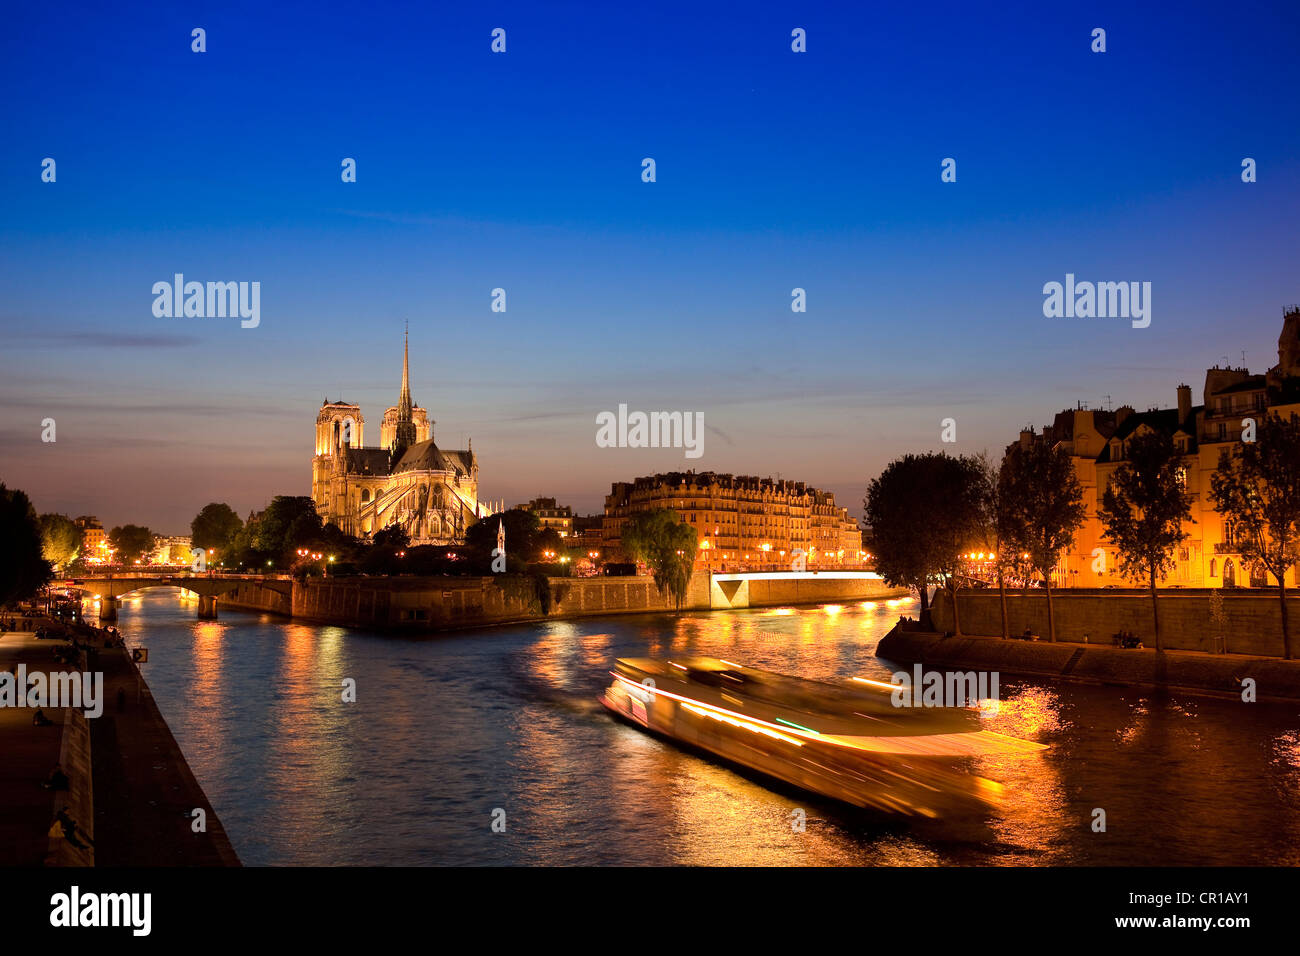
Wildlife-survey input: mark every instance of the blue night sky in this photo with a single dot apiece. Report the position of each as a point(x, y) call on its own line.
point(477, 170)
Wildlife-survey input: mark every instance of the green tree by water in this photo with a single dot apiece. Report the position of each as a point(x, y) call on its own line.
point(1042, 503)
point(994, 527)
point(288, 522)
point(130, 542)
point(923, 513)
point(1258, 492)
point(23, 569)
point(215, 527)
point(666, 544)
point(1143, 511)
point(60, 539)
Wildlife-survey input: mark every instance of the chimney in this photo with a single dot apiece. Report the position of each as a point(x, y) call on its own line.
point(1121, 413)
point(1184, 403)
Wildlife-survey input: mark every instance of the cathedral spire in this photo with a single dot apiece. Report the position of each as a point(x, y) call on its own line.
point(404, 403)
point(404, 432)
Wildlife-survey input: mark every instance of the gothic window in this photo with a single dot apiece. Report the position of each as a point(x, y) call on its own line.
point(1214, 568)
point(365, 495)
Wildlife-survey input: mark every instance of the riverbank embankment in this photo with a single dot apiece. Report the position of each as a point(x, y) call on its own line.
point(452, 603)
point(1222, 675)
point(1249, 620)
point(126, 785)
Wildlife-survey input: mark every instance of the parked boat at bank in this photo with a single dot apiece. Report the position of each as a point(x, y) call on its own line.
point(845, 741)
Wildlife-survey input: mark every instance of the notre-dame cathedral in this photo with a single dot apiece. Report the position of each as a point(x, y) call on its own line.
point(407, 480)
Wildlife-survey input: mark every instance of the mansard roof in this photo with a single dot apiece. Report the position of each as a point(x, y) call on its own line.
point(1253, 383)
point(1158, 419)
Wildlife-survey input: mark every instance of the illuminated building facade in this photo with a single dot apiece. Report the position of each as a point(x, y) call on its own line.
point(742, 522)
point(94, 540)
point(408, 481)
point(1097, 442)
point(551, 515)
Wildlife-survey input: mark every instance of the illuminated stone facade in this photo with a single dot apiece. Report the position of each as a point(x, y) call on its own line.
point(742, 522)
point(1097, 442)
point(407, 481)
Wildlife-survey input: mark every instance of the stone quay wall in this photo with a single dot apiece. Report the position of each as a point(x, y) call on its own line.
point(1253, 617)
point(1220, 675)
point(444, 603)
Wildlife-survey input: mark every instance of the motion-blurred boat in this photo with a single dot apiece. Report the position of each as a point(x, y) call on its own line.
point(844, 741)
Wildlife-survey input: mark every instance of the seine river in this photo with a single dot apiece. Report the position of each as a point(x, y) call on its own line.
point(448, 729)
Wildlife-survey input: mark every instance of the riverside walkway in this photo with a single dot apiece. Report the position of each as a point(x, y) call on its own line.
point(30, 753)
point(130, 790)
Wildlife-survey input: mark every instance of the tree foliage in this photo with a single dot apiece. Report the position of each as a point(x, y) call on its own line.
point(922, 513)
point(215, 527)
point(666, 544)
point(23, 569)
point(521, 530)
point(1042, 507)
point(288, 522)
point(60, 539)
point(131, 542)
point(994, 526)
point(1258, 492)
point(1143, 511)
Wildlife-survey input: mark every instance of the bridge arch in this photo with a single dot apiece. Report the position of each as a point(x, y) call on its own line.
point(207, 588)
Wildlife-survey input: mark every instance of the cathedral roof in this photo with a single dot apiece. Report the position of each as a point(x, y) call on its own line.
point(426, 456)
point(366, 461)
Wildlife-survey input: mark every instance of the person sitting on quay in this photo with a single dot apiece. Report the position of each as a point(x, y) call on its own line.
point(57, 780)
point(69, 830)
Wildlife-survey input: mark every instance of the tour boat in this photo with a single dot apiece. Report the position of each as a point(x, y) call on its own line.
point(844, 741)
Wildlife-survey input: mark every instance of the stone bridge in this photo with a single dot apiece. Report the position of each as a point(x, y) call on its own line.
point(207, 585)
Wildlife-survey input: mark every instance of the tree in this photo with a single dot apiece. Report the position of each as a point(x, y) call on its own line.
point(215, 527)
point(892, 509)
point(547, 540)
point(1258, 491)
point(922, 514)
point(993, 530)
point(521, 528)
point(287, 522)
point(131, 542)
point(952, 519)
point(1143, 510)
point(667, 544)
point(1043, 507)
point(60, 539)
point(23, 570)
point(394, 536)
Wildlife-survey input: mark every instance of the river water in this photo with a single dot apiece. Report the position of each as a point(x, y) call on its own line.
point(448, 729)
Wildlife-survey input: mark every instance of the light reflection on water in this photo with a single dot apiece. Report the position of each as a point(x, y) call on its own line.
point(447, 729)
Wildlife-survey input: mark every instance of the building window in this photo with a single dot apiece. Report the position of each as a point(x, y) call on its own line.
point(1214, 568)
